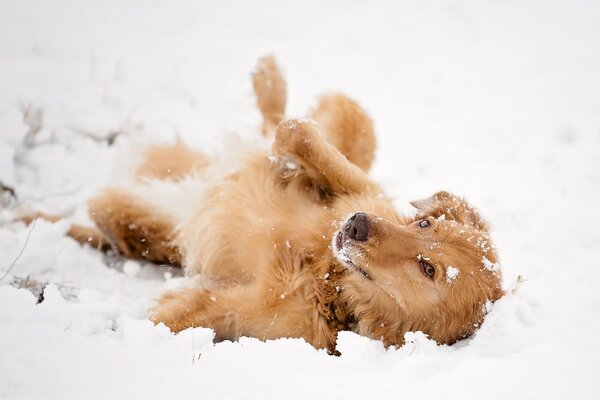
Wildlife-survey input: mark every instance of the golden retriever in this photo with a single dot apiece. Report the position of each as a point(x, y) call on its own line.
point(300, 242)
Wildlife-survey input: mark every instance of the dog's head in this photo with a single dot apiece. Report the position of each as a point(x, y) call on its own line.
point(438, 274)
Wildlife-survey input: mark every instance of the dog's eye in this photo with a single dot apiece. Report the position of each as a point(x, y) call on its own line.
point(424, 224)
point(428, 269)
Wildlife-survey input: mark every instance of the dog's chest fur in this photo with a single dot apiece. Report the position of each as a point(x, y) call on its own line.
point(252, 229)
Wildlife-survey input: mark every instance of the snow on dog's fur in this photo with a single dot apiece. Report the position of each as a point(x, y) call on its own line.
point(300, 242)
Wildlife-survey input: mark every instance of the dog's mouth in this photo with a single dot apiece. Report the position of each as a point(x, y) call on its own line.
point(342, 253)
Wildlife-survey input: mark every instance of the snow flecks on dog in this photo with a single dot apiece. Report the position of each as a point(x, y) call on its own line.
point(487, 264)
point(451, 273)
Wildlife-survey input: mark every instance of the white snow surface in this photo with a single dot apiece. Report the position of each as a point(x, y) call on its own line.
point(494, 100)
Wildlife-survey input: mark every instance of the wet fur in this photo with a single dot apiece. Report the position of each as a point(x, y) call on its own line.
point(266, 234)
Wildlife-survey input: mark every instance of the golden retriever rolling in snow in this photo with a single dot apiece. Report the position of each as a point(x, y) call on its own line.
point(299, 242)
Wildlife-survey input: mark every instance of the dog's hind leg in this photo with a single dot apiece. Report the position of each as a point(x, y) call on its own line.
point(239, 310)
point(134, 227)
point(330, 169)
point(219, 309)
point(128, 223)
point(271, 94)
point(170, 162)
point(83, 234)
point(125, 223)
point(348, 127)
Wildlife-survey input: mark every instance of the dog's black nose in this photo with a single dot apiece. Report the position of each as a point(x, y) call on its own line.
point(357, 227)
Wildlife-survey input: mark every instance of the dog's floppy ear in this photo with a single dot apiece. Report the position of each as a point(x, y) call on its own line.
point(452, 207)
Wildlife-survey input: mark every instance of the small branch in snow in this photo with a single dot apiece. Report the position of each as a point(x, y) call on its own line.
point(34, 286)
point(38, 288)
point(33, 117)
point(7, 189)
point(520, 281)
point(8, 195)
point(109, 138)
point(12, 264)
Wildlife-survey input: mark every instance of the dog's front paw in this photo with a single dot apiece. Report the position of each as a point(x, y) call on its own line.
point(170, 311)
point(294, 138)
point(287, 167)
point(293, 148)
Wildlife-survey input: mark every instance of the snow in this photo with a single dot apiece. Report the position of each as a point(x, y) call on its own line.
point(494, 101)
point(451, 273)
point(487, 264)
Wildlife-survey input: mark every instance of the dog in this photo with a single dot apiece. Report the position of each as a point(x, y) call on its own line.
point(298, 241)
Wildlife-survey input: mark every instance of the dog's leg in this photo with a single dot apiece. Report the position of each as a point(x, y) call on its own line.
point(219, 309)
point(126, 224)
point(133, 227)
point(170, 162)
point(348, 127)
point(300, 141)
point(239, 310)
point(271, 95)
point(83, 234)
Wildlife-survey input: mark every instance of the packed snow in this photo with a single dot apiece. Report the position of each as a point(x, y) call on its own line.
point(497, 101)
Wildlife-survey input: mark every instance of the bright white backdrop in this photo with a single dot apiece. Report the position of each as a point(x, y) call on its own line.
point(494, 100)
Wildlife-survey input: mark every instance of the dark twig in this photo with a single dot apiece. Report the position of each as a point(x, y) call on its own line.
point(109, 138)
point(8, 189)
point(8, 195)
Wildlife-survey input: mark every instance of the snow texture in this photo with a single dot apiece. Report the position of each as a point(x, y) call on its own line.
point(496, 101)
point(487, 264)
point(451, 273)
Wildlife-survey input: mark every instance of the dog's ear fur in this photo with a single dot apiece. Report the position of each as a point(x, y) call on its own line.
point(498, 293)
point(452, 207)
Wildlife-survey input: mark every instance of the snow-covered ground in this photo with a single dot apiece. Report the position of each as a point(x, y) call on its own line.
point(498, 101)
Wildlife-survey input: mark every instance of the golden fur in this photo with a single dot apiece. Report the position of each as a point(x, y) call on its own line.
point(302, 243)
point(170, 162)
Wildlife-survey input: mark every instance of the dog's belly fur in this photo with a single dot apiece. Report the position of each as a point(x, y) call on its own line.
point(273, 243)
point(270, 242)
point(246, 222)
point(249, 220)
